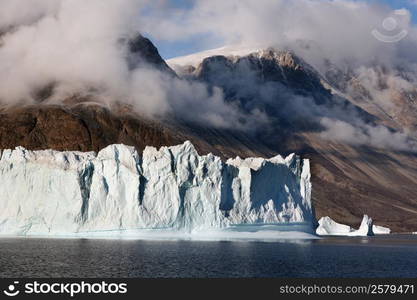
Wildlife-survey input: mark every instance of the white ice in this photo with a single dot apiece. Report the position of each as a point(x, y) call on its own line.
point(329, 227)
point(172, 189)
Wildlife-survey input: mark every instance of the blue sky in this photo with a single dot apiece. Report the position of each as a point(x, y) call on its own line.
point(196, 44)
point(402, 4)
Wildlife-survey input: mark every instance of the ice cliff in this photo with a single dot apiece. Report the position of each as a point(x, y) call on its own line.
point(52, 193)
point(367, 228)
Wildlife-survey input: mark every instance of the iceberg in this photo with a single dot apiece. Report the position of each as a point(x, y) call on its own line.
point(381, 230)
point(327, 226)
point(174, 188)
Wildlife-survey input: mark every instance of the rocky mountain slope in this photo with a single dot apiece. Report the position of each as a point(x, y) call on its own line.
point(348, 181)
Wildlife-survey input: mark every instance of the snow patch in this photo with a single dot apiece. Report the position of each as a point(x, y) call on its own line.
point(196, 58)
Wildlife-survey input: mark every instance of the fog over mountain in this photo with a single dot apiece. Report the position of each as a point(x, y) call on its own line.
point(81, 48)
point(334, 30)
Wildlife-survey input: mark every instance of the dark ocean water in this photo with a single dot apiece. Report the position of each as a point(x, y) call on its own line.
point(393, 256)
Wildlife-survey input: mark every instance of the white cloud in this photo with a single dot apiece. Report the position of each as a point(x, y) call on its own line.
point(76, 45)
point(365, 134)
point(340, 29)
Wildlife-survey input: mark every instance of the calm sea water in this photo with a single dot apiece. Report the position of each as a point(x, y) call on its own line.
point(393, 256)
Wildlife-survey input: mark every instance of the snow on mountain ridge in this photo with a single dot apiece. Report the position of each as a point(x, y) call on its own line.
point(54, 193)
point(283, 58)
point(196, 58)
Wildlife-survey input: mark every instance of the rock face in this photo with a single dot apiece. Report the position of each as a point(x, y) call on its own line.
point(78, 128)
point(142, 50)
point(92, 127)
point(260, 75)
point(51, 193)
point(390, 93)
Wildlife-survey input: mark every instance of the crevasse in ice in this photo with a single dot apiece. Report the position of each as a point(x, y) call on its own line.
point(51, 192)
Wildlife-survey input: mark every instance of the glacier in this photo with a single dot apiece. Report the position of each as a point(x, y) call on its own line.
point(327, 226)
point(172, 189)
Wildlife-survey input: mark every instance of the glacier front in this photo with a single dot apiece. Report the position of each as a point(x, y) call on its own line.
point(60, 193)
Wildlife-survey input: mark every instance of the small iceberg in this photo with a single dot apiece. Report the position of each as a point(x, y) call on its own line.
point(381, 230)
point(327, 226)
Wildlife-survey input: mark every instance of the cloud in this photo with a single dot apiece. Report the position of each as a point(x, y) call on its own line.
point(335, 30)
point(25, 12)
point(79, 47)
point(70, 42)
point(319, 31)
point(365, 134)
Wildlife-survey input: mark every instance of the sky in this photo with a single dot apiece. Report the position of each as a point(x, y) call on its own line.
point(171, 49)
point(409, 4)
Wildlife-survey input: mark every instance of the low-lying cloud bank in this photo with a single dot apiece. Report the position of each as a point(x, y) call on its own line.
point(364, 134)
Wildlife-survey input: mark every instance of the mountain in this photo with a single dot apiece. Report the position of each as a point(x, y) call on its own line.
point(349, 180)
point(142, 50)
point(390, 93)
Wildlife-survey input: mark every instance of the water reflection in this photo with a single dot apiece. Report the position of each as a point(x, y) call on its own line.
point(393, 256)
